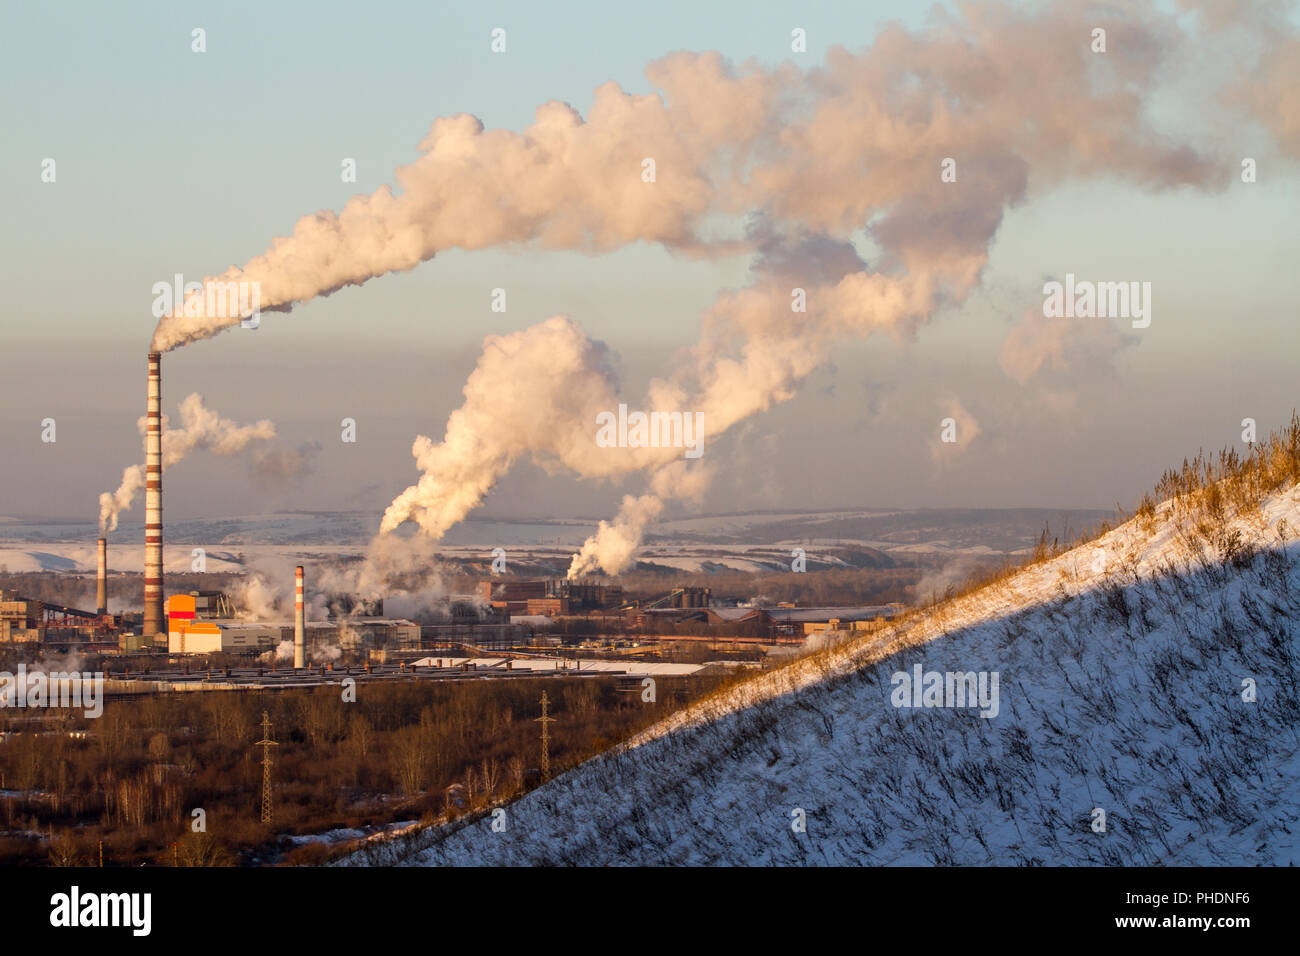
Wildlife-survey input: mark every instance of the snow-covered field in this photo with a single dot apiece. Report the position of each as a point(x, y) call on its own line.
point(1150, 676)
point(746, 543)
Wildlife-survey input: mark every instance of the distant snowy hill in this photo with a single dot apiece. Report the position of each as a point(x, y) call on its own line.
point(1150, 675)
point(753, 542)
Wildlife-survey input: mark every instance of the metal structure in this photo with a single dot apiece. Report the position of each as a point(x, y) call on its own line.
point(213, 604)
point(266, 743)
point(153, 529)
point(58, 617)
point(545, 720)
point(682, 597)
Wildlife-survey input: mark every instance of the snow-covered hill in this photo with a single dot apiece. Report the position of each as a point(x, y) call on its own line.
point(1150, 674)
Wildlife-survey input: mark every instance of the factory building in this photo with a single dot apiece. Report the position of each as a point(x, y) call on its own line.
point(26, 619)
point(20, 619)
point(547, 606)
point(725, 616)
point(585, 595)
point(813, 620)
point(511, 597)
point(210, 604)
point(551, 597)
point(188, 633)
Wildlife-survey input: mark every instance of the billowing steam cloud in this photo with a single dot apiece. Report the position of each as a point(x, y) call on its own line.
point(534, 391)
point(538, 392)
point(1061, 347)
point(615, 542)
point(201, 428)
point(1016, 100)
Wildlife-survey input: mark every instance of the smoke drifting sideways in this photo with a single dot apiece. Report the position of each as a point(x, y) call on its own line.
point(404, 574)
point(809, 162)
point(201, 428)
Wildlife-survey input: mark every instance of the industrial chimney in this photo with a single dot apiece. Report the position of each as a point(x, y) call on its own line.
point(153, 529)
point(299, 622)
point(101, 579)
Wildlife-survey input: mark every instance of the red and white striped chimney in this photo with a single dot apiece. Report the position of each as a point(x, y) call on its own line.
point(299, 622)
point(153, 529)
point(101, 579)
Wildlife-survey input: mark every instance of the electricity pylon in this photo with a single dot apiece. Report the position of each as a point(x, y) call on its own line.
point(545, 721)
point(266, 743)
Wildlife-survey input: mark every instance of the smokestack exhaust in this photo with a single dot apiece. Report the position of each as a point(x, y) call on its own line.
point(153, 529)
point(299, 622)
point(101, 579)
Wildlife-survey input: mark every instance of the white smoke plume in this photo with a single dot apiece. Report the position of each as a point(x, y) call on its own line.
point(320, 654)
point(615, 542)
point(404, 573)
point(1064, 349)
point(832, 149)
point(51, 662)
point(272, 466)
point(394, 566)
point(935, 583)
point(614, 545)
point(1016, 98)
point(325, 653)
point(537, 392)
point(258, 597)
point(965, 427)
point(201, 429)
point(534, 391)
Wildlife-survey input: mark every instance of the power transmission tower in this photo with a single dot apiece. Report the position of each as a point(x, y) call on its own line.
point(545, 721)
point(266, 743)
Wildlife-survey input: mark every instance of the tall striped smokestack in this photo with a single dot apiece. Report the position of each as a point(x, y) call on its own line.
point(101, 579)
point(299, 622)
point(153, 529)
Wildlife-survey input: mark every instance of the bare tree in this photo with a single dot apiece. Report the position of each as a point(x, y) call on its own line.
point(360, 735)
point(491, 776)
point(63, 852)
point(471, 785)
point(202, 849)
point(407, 760)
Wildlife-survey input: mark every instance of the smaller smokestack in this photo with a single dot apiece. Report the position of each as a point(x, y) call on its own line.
point(299, 622)
point(101, 579)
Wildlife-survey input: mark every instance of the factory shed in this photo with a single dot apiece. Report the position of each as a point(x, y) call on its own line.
point(738, 615)
point(187, 634)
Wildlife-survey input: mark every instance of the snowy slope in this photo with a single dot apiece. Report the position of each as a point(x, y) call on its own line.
point(1121, 669)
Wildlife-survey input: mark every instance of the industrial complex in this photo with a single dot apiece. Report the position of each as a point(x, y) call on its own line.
point(506, 614)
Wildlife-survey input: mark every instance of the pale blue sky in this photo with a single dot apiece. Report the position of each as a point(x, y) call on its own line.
point(170, 161)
